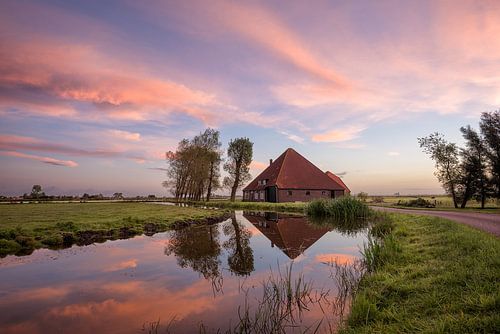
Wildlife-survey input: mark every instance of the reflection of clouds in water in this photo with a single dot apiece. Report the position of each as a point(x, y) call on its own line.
point(132, 263)
point(343, 259)
point(85, 289)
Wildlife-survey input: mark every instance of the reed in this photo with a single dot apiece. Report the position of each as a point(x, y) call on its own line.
point(341, 209)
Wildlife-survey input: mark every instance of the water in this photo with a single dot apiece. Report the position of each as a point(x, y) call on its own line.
point(184, 279)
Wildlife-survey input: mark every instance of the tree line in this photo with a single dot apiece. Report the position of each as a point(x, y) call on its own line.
point(194, 168)
point(473, 171)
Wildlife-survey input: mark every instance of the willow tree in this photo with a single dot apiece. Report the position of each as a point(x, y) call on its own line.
point(239, 157)
point(194, 167)
point(490, 130)
point(475, 181)
point(447, 162)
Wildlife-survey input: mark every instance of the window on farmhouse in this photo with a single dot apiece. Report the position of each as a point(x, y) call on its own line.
point(308, 193)
point(289, 193)
point(323, 193)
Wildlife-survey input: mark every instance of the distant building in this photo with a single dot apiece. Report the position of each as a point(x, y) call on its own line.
point(293, 178)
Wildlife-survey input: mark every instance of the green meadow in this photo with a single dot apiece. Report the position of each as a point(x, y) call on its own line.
point(25, 227)
point(428, 275)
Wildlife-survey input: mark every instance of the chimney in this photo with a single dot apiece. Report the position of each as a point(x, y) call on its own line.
point(270, 161)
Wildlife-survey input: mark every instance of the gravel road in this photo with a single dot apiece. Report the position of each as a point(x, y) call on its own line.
point(484, 221)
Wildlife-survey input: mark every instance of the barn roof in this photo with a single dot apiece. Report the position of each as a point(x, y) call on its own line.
point(338, 180)
point(292, 171)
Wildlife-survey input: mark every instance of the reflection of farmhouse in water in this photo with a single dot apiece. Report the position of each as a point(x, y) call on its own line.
point(292, 234)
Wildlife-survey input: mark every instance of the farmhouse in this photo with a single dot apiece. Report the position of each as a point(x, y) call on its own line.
point(292, 178)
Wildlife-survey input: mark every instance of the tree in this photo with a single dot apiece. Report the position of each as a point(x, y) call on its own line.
point(239, 157)
point(447, 162)
point(474, 180)
point(36, 191)
point(194, 169)
point(362, 196)
point(117, 196)
point(490, 130)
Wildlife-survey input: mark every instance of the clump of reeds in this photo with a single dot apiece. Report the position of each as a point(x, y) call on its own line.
point(347, 277)
point(341, 209)
point(376, 252)
point(382, 224)
point(280, 307)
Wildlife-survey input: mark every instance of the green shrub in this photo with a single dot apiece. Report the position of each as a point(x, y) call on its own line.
point(342, 209)
point(8, 247)
point(26, 242)
point(417, 203)
point(53, 240)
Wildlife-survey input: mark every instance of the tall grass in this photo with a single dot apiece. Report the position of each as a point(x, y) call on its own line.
point(341, 209)
point(429, 275)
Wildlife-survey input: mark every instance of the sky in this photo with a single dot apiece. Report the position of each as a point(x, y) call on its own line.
point(93, 93)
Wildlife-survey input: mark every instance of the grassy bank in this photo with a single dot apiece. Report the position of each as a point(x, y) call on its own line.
point(429, 275)
point(253, 206)
point(25, 227)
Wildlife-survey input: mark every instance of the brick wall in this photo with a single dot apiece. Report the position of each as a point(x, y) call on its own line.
point(297, 195)
point(300, 195)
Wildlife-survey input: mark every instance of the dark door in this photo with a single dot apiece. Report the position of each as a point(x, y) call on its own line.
point(332, 193)
point(271, 194)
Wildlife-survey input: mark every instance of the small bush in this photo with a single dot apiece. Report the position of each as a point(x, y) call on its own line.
point(26, 242)
point(378, 199)
point(417, 203)
point(8, 247)
point(53, 240)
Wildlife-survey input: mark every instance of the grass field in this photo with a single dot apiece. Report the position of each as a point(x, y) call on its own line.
point(442, 202)
point(430, 275)
point(24, 227)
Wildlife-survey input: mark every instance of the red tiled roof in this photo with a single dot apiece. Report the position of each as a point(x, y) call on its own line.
point(292, 171)
point(339, 181)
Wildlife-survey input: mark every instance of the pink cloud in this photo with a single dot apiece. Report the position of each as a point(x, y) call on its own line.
point(258, 165)
point(70, 73)
point(9, 142)
point(339, 135)
point(21, 143)
point(125, 135)
point(47, 160)
point(261, 26)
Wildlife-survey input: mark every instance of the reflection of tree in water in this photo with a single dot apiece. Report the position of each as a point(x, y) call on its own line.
point(240, 259)
point(198, 248)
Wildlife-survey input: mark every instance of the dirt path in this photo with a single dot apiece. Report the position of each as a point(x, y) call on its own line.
point(483, 221)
